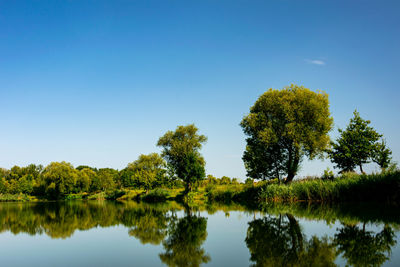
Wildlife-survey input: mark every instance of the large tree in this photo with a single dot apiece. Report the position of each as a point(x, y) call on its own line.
point(181, 151)
point(355, 146)
point(282, 127)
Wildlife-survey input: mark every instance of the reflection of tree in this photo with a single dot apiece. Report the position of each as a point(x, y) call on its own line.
point(279, 242)
point(62, 219)
point(183, 246)
point(364, 248)
point(150, 225)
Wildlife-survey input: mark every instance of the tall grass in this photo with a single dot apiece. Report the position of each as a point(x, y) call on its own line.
point(383, 187)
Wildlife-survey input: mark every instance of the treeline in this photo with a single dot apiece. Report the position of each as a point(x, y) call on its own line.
point(60, 178)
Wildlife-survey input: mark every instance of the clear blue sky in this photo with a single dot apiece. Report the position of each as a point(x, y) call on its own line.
point(98, 83)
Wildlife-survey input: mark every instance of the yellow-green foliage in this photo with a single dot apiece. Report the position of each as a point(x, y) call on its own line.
point(15, 197)
point(131, 194)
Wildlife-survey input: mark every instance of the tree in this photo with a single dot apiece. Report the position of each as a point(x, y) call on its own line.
point(147, 169)
point(104, 179)
point(59, 178)
point(181, 151)
point(85, 178)
point(192, 169)
point(282, 127)
point(355, 146)
point(382, 155)
point(126, 177)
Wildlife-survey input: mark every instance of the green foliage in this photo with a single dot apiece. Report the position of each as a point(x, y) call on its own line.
point(328, 174)
point(84, 180)
point(104, 180)
point(382, 155)
point(356, 145)
point(14, 198)
point(348, 187)
point(156, 195)
point(127, 178)
point(282, 127)
point(114, 194)
point(148, 170)
point(59, 178)
point(181, 151)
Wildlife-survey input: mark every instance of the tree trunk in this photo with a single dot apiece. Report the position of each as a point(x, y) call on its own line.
point(289, 177)
point(293, 163)
point(361, 169)
point(188, 187)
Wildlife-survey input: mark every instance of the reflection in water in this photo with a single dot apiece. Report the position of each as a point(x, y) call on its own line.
point(280, 242)
point(364, 248)
point(275, 239)
point(149, 225)
point(183, 246)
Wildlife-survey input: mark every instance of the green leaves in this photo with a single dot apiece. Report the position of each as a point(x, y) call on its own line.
point(147, 168)
point(282, 127)
point(357, 145)
point(181, 151)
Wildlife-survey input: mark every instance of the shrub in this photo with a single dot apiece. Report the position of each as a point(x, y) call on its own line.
point(114, 194)
point(156, 195)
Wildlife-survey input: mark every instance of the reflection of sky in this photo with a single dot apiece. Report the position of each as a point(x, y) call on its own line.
point(112, 246)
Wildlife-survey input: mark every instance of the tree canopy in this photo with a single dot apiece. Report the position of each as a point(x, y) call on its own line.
point(181, 151)
point(356, 145)
point(147, 169)
point(282, 127)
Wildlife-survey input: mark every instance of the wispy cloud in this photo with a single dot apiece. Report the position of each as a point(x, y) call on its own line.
point(315, 61)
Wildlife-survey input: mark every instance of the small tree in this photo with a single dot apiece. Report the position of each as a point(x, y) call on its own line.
point(181, 151)
point(191, 170)
point(382, 155)
point(355, 146)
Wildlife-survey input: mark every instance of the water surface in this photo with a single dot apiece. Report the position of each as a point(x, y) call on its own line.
point(138, 234)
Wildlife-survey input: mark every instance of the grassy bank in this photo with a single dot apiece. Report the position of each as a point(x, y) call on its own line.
point(384, 187)
point(350, 187)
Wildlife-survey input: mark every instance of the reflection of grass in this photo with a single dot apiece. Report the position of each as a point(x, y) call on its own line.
point(349, 213)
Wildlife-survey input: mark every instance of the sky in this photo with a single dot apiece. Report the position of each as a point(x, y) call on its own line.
point(98, 82)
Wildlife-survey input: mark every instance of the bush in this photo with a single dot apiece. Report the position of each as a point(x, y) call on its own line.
point(156, 195)
point(114, 194)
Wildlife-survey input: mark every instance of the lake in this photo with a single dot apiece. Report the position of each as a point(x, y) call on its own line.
point(105, 233)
